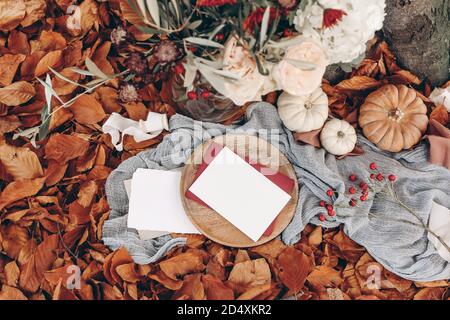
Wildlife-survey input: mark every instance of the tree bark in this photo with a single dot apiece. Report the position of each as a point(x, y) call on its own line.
point(418, 32)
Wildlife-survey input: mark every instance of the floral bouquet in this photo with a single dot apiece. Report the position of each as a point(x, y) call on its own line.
point(221, 54)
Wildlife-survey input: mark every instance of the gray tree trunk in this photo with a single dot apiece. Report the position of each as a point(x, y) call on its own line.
point(418, 32)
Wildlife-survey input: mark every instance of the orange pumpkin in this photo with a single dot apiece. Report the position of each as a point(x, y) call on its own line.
point(394, 118)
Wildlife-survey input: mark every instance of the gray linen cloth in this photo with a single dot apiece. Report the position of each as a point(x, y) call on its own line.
point(391, 234)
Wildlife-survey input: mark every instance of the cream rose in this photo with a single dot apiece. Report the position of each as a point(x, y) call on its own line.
point(297, 81)
point(238, 61)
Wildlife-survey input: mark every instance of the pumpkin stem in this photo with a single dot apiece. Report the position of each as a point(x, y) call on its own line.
point(396, 114)
point(341, 134)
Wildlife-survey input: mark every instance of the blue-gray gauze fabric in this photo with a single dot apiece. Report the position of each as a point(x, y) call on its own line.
point(390, 233)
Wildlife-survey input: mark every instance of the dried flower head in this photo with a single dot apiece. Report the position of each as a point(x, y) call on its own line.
point(287, 4)
point(118, 35)
point(128, 93)
point(136, 63)
point(214, 3)
point(166, 52)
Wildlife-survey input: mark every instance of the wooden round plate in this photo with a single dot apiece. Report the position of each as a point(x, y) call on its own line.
point(213, 225)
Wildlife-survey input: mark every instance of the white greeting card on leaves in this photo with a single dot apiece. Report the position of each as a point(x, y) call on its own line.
point(241, 194)
point(155, 202)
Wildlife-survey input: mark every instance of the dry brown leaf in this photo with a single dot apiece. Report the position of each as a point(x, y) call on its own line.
point(35, 10)
point(11, 293)
point(87, 110)
point(293, 268)
point(86, 194)
point(12, 12)
point(432, 284)
point(62, 148)
point(59, 275)
point(129, 272)
point(430, 294)
point(253, 292)
point(17, 93)
point(192, 288)
point(83, 18)
point(270, 250)
point(324, 277)
point(20, 163)
point(12, 273)
point(15, 239)
point(215, 289)
point(359, 83)
point(119, 258)
point(9, 124)
point(8, 67)
point(109, 100)
point(32, 272)
point(52, 59)
point(315, 237)
point(248, 274)
point(345, 247)
point(188, 262)
point(440, 114)
point(167, 282)
point(63, 87)
point(49, 41)
point(20, 189)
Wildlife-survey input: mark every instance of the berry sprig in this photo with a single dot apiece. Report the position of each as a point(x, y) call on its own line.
point(360, 190)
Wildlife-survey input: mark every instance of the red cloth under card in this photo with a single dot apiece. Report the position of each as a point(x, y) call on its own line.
point(282, 181)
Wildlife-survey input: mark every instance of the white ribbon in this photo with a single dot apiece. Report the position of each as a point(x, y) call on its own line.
point(439, 223)
point(117, 127)
point(441, 96)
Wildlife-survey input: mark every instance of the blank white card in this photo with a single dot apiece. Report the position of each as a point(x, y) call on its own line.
point(241, 194)
point(155, 202)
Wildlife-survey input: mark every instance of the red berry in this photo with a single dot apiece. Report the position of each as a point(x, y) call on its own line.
point(205, 94)
point(373, 166)
point(192, 95)
point(322, 217)
point(363, 198)
point(329, 208)
point(380, 177)
point(330, 193)
point(220, 37)
point(352, 202)
point(363, 186)
point(322, 203)
point(373, 176)
point(353, 178)
point(352, 190)
point(179, 69)
point(392, 177)
point(332, 213)
point(287, 33)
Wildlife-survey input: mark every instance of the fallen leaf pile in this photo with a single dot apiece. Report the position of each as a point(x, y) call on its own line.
point(52, 200)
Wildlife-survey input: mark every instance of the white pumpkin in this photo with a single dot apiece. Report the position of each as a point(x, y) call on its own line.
point(303, 113)
point(338, 137)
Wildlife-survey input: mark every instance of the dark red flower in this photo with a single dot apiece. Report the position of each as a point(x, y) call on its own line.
point(214, 3)
point(331, 17)
point(255, 18)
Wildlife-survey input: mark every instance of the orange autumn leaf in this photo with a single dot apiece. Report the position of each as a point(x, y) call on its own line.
point(129, 272)
point(12, 12)
point(11, 293)
point(9, 124)
point(8, 67)
point(35, 10)
point(52, 59)
point(188, 262)
point(32, 272)
point(248, 274)
point(430, 294)
point(17, 93)
point(293, 268)
point(87, 110)
point(215, 289)
point(20, 163)
point(20, 189)
point(324, 277)
point(359, 83)
point(63, 87)
point(63, 147)
point(440, 114)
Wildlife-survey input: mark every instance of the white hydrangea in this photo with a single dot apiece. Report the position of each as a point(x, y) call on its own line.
point(345, 41)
